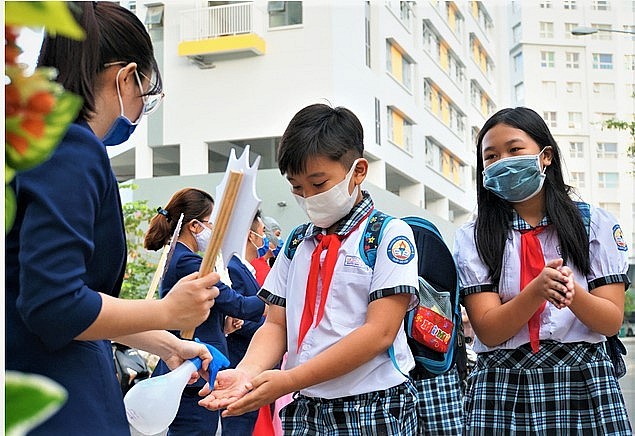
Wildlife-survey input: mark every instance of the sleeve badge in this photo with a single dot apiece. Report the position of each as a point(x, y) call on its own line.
point(618, 235)
point(401, 250)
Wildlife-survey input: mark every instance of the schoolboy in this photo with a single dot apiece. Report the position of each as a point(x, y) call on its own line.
point(340, 321)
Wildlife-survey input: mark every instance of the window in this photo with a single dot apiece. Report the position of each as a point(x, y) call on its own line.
point(377, 122)
point(516, 33)
point(549, 89)
point(600, 5)
point(547, 59)
point(575, 120)
point(572, 60)
point(576, 150)
point(611, 207)
point(399, 64)
point(607, 150)
point(602, 61)
point(550, 118)
point(574, 88)
point(545, 4)
point(605, 90)
point(570, 4)
point(604, 31)
point(546, 29)
point(367, 32)
point(519, 92)
point(444, 162)
point(399, 130)
point(518, 62)
point(608, 180)
point(154, 16)
point(568, 27)
point(577, 180)
point(629, 62)
point(283, 14)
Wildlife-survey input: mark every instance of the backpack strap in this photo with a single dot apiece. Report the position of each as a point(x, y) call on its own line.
point(585, 213)
point(372, 236)
point(294, 239)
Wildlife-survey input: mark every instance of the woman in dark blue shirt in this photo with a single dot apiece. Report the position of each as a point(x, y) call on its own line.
point(196, 206)
point(66, 252)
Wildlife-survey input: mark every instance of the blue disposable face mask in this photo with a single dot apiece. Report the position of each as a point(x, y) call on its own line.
point(516, 178)
point(278, 248)
point(122, 128)
point(265, 244)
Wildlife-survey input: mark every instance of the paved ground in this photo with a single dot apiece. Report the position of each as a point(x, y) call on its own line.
point(628, 381)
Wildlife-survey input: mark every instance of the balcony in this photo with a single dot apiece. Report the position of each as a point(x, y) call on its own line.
point(219, 33)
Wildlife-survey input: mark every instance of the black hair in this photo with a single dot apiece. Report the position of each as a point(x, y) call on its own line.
point(113, 34)
point(193, 203)
point(493, 222)
point(320, 130)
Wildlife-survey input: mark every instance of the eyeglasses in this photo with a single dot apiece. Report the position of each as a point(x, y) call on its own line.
point(151, 102)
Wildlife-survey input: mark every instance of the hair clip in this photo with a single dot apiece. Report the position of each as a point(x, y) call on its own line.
point(163, 212)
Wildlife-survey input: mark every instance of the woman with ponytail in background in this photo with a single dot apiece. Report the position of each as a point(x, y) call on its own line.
point(196, 231)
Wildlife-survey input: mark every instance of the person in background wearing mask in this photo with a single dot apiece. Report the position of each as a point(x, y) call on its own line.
point(276, 241)
point(244, 276)
point(258, 250)
point(340, 320)
point(542, 289)
point(196, 206)
point(65, 255)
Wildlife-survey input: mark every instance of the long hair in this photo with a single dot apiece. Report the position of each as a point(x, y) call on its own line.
point(191, 202)
point(493, 222)
point(113, 34)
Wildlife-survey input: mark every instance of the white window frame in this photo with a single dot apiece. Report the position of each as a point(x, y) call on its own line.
point(547, 59)
point(572, 60)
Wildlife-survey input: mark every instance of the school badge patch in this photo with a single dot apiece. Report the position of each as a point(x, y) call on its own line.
point(401, 250)
point(618, 235)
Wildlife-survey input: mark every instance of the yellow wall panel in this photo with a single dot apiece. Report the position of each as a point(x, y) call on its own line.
point(443, 57)
point(397, 129)
point(396, 63)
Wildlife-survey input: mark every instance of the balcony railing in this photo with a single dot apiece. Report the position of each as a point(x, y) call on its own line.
point(217, 21)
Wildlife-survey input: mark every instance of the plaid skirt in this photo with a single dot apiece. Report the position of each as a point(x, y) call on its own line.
point(381, 413)
point(564, 389)
point(439, 406)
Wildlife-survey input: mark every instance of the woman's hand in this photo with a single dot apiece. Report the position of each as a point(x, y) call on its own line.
point(188, 303)
point(232, 324)
point(185, 350)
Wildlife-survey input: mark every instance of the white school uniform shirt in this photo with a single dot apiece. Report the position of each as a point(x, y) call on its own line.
point(354, 285)
point(609, 263)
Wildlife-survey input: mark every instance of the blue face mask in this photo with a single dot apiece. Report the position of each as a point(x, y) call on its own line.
point(120, 131)
point(278, 248)
point(265, 244)
point(122, 128)
point(516, 178)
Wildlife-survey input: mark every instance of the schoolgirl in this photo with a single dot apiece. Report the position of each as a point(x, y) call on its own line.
point(543, 290)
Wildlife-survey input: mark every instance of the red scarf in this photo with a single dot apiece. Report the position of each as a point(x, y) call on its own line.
point(331, 243)
point(532, 262)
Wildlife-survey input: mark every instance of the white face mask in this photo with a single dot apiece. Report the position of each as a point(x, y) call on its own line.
point(326, 208)
point(203, 237)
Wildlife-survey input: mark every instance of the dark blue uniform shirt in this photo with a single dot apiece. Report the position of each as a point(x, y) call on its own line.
point(66, 245)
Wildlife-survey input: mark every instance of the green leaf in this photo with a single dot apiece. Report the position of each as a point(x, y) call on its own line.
point(54, 16)
point(9, 208)
point(30, 399)
point(57, 122)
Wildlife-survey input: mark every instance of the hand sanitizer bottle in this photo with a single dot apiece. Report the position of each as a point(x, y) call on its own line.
point(152, 404)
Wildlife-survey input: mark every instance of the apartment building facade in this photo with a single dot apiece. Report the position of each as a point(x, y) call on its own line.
point(577, 83)
point(420, 76)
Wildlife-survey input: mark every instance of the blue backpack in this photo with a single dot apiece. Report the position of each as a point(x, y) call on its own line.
point(436, 269)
